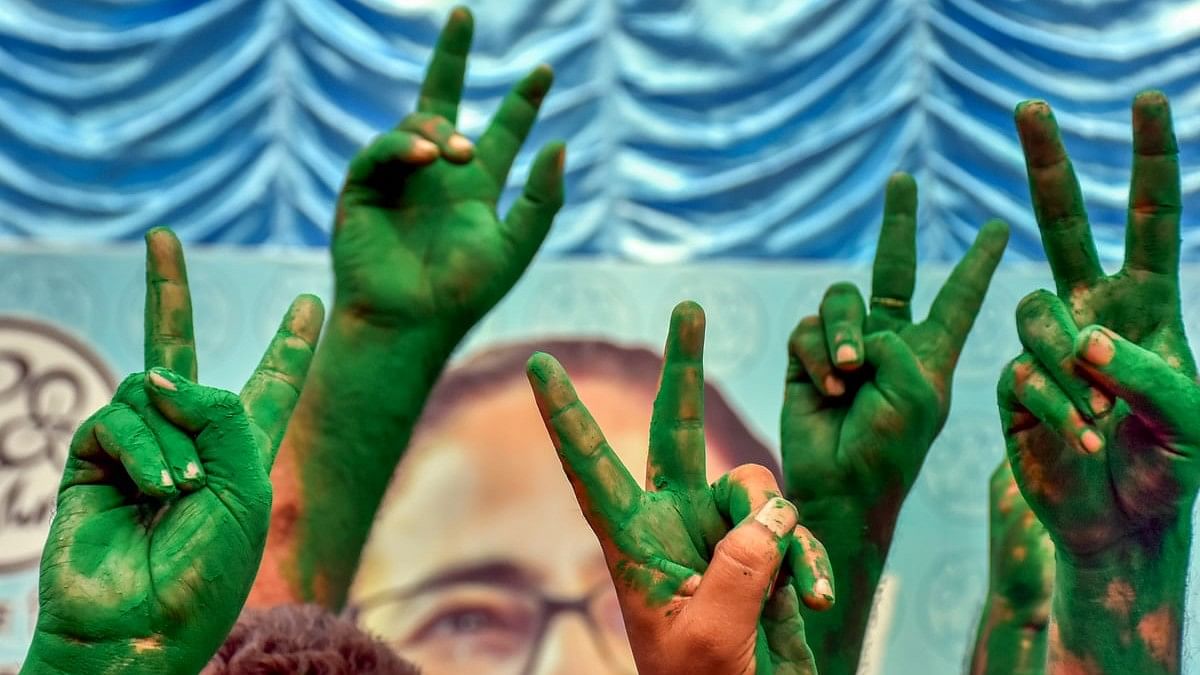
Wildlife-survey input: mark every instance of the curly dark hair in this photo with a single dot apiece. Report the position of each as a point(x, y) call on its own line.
point(302, 640)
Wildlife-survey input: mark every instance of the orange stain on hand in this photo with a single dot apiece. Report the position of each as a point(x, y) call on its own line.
point(1119, 597)
point(1158, 632)
point(1063, 662)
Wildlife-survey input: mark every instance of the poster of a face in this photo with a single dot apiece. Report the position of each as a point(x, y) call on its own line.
point(480, 561)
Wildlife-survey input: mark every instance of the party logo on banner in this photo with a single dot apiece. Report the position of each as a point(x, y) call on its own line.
point(49, 383)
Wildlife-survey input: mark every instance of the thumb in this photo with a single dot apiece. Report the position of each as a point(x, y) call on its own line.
point(743, 568)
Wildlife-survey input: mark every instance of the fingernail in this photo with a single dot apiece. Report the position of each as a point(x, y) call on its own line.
point(423, 149)
point(1100, 349)
point(160, 381)
point(166, 479)
point(191, 471)
point(834, 386)
point(778, 516)
point(824, 589)
point(1098, 401)
point(460, 144)
point(689, 585)
point(1092, 442)
point(846, 354)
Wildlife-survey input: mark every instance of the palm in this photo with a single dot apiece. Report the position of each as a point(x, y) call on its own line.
point(154, 570)
point(417, 236)
point(1136, 478)
point(847, 450)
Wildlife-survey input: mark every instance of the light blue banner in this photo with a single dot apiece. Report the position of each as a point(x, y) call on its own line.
point(937, 570)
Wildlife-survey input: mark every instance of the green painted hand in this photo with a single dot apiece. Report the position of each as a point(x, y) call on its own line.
point(1012, 632)
point(163, 508)
point(694, 565)
point(417, 238)
point(866, 394)
point(1140, 302)
point(419, 256)
point(1098, 423)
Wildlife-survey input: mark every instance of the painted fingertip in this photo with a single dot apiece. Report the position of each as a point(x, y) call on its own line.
point(159, 230)
point(1031, 108)
point(834, 385)
point(995, 229)
point(779, 516)
point(191, 476)
point(1097, 347)
point(538, 367)
point(689, 585)
point(1150, 98)
point(422, 150)
point(1099, 402)
point(162, 379)
point(461, 144)
point(824, 590)
point(847, 355)
point(1091, 441)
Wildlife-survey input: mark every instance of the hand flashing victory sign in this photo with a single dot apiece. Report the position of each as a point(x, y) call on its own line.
point(419, 256)
point(1101, 422)
point(866, 394)
point(1012, 632)
point(164, 504)
point(694, 565)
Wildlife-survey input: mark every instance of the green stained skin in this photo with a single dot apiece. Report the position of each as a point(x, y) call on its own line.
point(660, 540)
point(419, 257)
point(164, 504)
point(1012, 632)
point(1114, 477)
point(867, 393)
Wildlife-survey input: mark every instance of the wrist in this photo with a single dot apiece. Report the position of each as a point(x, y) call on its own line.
point(849, 522)
point(1132, 590)
point(382, 331)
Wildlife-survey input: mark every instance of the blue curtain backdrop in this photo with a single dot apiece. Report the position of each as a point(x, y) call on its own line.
point(696, 128)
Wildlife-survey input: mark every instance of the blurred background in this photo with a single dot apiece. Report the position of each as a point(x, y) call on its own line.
point(731, 151)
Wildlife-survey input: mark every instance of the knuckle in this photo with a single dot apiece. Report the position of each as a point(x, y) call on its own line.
point(841, 288)
point(754, 474)
point(1035, 304)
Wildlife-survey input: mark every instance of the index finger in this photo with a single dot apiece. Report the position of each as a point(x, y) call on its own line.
point(895, 271)
point(1155, 202)
point(958, 302)
point(442, 88)
point(607, 493)
point(170, 340)
point(677, 424)
point(274, 387)
point(1057, 200)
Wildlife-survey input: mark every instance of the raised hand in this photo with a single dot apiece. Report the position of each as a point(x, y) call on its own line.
point(164, 504)
point(1012, 632)
point(417, 238)
point(866, 394)
point(694, 564)
point(419, 256)
point(1097, 420)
